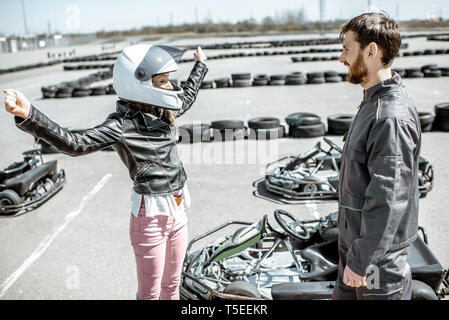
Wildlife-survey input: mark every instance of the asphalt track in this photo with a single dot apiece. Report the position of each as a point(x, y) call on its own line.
point(76, 246)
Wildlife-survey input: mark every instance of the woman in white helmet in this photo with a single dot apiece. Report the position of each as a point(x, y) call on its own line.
point(142, 132)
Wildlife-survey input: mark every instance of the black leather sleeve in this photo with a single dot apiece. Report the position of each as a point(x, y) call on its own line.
point(192, 86)
point(70, 143)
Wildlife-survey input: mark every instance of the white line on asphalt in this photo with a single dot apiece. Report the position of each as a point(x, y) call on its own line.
point(49, 238)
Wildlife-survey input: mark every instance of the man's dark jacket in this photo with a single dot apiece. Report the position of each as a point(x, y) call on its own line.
point(146, 144)
point(378, 191)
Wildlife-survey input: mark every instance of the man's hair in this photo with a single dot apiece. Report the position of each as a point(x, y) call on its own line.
point(375, 27)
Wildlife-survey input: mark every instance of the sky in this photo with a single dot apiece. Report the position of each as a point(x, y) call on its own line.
point(85, 16)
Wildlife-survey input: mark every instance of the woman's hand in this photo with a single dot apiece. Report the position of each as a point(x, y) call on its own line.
point(16, 103)
point(199, 55)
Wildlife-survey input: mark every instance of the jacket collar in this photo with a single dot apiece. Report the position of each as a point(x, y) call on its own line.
point(125, 106)
point(390, 84)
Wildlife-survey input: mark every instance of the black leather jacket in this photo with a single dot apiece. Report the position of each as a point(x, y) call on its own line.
point(146, 144)
point(379, 190)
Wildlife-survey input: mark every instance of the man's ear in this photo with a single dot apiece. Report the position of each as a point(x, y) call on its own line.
point(373, 50)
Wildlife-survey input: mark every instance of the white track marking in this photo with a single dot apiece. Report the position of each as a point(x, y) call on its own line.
point(43, 246)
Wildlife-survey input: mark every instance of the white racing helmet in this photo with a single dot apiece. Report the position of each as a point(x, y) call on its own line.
point(133, 72)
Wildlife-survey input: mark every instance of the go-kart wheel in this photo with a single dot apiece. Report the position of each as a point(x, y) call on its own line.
point(242, 288)
point(9, 197)
point(292, 228)
point(333, 144)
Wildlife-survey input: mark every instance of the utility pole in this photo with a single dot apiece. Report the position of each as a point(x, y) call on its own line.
point(322, 14)
point(24, 18)
point(196, 19)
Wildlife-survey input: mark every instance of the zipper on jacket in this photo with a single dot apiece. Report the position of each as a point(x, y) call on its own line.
point(405, 102)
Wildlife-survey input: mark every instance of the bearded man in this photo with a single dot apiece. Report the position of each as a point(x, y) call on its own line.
point(378, 190)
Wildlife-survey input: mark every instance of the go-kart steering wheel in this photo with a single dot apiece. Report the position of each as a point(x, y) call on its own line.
point(333, 144)
point(292, 228)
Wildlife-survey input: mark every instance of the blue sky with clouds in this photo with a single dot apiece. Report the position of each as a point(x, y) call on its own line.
point(94, 15)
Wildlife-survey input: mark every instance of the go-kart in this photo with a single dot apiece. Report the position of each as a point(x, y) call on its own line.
point(27, 184)
point(297, 260)
point(315, 173)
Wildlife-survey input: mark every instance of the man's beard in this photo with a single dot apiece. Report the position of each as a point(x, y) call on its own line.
point(358, 72)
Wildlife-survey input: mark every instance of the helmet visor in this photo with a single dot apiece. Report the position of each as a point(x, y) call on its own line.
point(158, 59)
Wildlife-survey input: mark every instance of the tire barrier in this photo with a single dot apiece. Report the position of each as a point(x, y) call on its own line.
point(338, 124)
point(277, 44)
point(80, 87)
point(426, 119)
point(441, 122)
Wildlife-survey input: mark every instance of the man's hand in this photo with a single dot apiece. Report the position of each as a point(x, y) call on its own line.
point(16, 103)
point(352, 279)
point(199, 55)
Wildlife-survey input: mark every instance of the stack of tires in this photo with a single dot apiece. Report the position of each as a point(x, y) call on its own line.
point(441, 121)
point(431, 71)
point(191, 133)
point(207, 85)
point(240, 80)
point(413, 73)
point(315, 78)
point(426, 119)
point(338, 124)
point(296, 78)
point(260, 80)
point(445, 71)
point(305, 125)
point(332, 76)
point(265, 128)
point(222, 83)
point(277, 80)
point(228, 130)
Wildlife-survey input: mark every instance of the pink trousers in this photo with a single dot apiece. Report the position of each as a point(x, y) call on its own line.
point(159, 244)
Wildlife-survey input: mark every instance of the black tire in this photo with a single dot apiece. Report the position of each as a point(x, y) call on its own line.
point(259, 83)
point(331, 74)
point(422, 291)
point(81, 92)
point(313, 75)
point(241, 83)
point(98, 91)
point(339, 122)
point(442, 109)
point(242, 288)
point(426, 120)
point(267, 134)
point(9, 197)
point(316, 81)
point(241, 76)
point(302, 118)
point(429, 67)
point(307, 131)
point(278, 77)
point(333, 79)
point(229, 134)
point(276, 82)
point(261, 77)
point(295, 81)
point(263, 123)
point(207, 85)
point(222, 83)
point(227, 124)
point(441, 123)
point(414, 75)
point(111, 89)
point(432, 74)
point(192, 133)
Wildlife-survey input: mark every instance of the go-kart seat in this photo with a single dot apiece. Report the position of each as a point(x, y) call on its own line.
point(27, 180)
point(13, 170)
point(323, 258)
